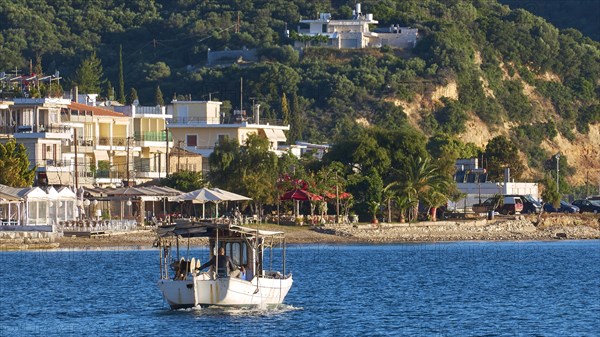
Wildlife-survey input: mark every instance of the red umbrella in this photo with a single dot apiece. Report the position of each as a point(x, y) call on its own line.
point(300, 195)
point(343, 195)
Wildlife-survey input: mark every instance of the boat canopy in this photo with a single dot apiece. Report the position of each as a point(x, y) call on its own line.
point(207, 229)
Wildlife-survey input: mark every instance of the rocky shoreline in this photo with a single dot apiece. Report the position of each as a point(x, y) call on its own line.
point(515, 228)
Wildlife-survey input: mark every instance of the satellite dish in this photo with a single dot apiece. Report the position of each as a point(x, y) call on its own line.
point(136, 102)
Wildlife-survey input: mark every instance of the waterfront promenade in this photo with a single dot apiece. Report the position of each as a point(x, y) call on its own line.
point(512, 228)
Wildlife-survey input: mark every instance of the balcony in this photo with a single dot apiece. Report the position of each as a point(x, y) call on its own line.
point(152, 136)
point(183, 121)
point(117, 141)
point(149, 110)
point(138, 173)
point(37, 131)
point(53, 165)
point(81, 141)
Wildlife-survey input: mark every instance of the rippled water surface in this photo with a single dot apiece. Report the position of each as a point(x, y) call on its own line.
point(446, 289)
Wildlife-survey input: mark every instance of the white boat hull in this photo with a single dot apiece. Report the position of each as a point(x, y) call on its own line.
point(227, 291)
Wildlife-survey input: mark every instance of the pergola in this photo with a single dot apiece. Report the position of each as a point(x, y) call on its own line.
point(133, 197)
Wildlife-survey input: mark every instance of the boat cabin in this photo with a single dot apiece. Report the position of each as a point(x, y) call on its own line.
point(188, 286)
point(245, 246)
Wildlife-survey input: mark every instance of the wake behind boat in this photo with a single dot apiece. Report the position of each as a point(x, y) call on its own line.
point(184, 285)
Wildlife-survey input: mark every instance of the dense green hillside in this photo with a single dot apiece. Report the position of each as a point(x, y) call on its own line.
point(579, 14)
point(509, 65)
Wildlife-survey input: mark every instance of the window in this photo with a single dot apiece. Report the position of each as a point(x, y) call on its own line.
point(237, 252)
point(222, 139)
point(191, 140)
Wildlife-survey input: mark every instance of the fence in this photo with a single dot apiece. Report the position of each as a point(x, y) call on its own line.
point(95, 226)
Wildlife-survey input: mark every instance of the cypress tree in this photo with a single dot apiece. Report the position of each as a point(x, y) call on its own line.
point(296, 121)
point(110, 91)
point(132, 96)
point(121, 80)
point(285, 110)
point(38, 65)
point(158, 97)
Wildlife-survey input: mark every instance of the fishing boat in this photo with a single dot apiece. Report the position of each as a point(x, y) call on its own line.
point(184, 285)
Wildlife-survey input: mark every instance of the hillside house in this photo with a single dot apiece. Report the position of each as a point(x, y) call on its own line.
point(197, 127)
point(355, 32)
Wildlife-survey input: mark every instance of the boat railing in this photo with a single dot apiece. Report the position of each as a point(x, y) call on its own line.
point(275, 275)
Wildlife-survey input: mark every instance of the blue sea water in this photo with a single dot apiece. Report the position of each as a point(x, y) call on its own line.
point(442, 289)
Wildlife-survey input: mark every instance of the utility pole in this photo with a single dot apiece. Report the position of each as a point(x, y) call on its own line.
point(179, 155)
point(76, 170)
point(167, 161)
point(587, 182)
point(241, 94)
point(557, 176)
point(159, 153)
point(337, 200)
point(127, 165)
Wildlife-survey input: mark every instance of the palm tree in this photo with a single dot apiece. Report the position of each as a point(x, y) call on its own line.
point(404, 202)
point(434, 199)
point(388, 195)
point(422, 176)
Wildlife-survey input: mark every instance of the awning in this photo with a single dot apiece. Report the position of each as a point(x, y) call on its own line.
point(275, 135)
point(101, 155)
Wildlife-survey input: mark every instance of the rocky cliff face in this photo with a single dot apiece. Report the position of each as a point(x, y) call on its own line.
point(583, 152)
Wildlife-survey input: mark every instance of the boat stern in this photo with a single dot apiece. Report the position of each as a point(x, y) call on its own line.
point(178, 293)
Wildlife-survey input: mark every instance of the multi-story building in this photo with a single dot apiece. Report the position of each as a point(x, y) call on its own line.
point(355, 32)
point(36, 123)
point(72, 143)
point(5, 126)
point(103, 144)
point(197, 127)
point(150, 134)
point(77, 144)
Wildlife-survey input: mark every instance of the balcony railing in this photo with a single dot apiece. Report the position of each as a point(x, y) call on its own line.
point(111, 174)
point(35, 129)
point(116, 141)
point(193, 120)
point(232, 120)
point(53, 163)
point(152, 136)
point(149, 110)
point(81, 141)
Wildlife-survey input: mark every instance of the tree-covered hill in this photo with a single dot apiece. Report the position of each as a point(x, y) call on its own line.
point(519, 75)
point(579, 14)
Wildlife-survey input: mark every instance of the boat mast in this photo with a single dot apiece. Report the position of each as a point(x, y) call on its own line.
point(177, 237)
point(283, 247)
point(216, 254)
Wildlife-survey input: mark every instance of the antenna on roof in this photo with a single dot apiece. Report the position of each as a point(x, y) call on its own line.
point(241, 93)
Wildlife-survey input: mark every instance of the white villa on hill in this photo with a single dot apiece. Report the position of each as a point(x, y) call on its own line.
point(355, 32)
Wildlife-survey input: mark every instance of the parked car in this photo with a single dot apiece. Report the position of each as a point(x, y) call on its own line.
point(588, 205)
point(530, 205)
point(501, 204)
point(564, 207)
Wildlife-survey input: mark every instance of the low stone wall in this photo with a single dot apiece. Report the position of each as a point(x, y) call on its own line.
point(22, 240)
point(513, 229)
